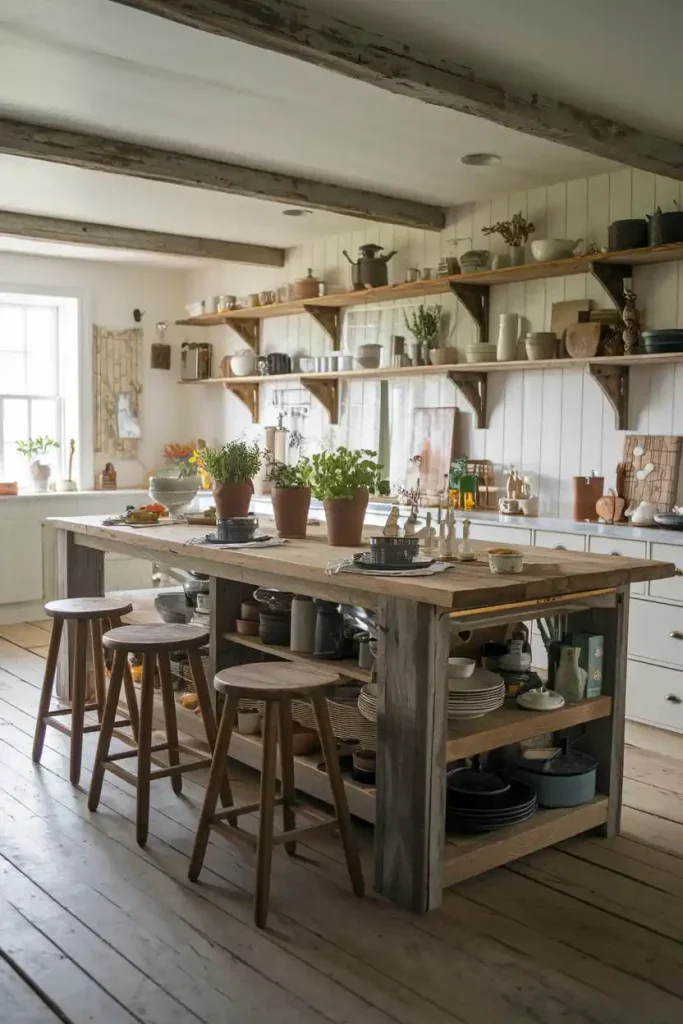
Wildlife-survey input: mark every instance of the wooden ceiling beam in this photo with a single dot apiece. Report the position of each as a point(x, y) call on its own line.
point(296, 31)
point(121, 156)
point(112, 236)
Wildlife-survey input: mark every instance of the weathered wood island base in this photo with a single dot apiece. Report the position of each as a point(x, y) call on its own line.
point(414, 859)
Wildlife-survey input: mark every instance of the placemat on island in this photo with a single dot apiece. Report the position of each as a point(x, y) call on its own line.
point(348, 565)
point(272, 542)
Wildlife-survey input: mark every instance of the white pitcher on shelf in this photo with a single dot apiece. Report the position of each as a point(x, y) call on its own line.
point(508, 336)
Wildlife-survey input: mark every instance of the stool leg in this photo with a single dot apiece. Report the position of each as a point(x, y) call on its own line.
point(216, 777)
point(78, 684)
point(98, 665)
point(144, 748)
point(337, 786)
point(287, 770)
point(170, 717)
point(131, 698)
point(208, 717)
point(264, 849)
point(48, 683)
point(106, 729)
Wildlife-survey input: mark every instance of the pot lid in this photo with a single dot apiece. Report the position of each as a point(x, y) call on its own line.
point(370, 250)
point(560, 761)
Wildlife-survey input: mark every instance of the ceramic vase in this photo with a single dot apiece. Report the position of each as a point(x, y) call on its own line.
point(508, 333)
point(290, 509)
point(40, 474)
point(517, 257)
point(345, 517)
point(570, 679)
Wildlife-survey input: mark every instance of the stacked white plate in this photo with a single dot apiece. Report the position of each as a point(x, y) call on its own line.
point(475, 696)
point(367, 704)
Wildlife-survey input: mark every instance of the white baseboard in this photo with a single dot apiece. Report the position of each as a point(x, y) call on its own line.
point(30, 611)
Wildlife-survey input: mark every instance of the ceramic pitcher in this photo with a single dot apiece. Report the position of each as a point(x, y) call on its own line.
point(508, 333)
point(570, 679)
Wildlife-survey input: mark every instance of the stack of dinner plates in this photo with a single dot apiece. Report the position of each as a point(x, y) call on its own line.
point(367, 704)
point(475, 696)
point(479, 812)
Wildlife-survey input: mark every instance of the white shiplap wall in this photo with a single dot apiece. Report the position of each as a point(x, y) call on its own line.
point(551, 425)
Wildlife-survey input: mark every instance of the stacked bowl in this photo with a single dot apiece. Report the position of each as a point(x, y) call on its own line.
point(669, 340)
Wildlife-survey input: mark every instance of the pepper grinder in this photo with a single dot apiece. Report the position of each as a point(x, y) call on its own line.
point(466, 553)
point(452, 537)
point(442, 549)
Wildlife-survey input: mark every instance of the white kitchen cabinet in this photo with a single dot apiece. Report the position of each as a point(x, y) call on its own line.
point(21, 562)
point(655, 632)
point(654, 695)
point(559, 541)
point(625, 548)
point(671, 589)
point(500, 534)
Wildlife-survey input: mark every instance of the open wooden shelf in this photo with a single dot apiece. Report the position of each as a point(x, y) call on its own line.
point(512, 724)
point(611, 374)
point(346, 667)
point(466, 856)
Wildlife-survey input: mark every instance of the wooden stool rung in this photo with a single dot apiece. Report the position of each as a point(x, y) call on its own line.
point(121, 773)
point(134, 753)
point(234, 812)
point(57, 712)
point(295, 834)
point(238, 834)
point(180, 769)
point(59, 726)
point(91, 728)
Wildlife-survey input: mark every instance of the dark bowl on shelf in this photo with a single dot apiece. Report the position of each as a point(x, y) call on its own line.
point(670, 340)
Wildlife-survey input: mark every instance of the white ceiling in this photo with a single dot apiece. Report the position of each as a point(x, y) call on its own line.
point(98, 66)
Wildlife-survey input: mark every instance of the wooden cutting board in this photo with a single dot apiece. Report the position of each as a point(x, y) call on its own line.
point(661, 483)
point(565, 313)
point(582, 341)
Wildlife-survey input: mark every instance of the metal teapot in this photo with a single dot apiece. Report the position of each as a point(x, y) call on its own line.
point(371, 269)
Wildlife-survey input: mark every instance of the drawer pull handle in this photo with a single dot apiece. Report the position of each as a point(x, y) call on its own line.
point(560, 547)
point(676, 635)
point(674, 698)
point(615, 553)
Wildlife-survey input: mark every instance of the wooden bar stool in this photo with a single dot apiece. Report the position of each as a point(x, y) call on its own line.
point(275, 684)
point(154, 641)
point(96, 613)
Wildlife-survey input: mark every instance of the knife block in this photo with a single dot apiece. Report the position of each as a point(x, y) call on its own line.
point(587, 490)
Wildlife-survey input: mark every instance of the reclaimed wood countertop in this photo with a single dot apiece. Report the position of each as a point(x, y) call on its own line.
point(548, 573)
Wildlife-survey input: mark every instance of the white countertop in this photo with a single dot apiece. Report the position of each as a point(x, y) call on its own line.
point(42, 495)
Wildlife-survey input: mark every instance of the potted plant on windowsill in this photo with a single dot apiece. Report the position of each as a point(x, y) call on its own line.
point(232, 467)
point(291, 497)
point(33, 448)
point(342, 481)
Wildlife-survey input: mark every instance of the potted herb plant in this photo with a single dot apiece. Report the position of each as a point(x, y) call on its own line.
point(424, 324)
point(342, 481)
point(33, 448)
point(515, 232)
point(291, 497)
point(232, 467)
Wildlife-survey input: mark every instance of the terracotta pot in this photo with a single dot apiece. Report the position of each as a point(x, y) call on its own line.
point(345, 518)
point(290, 508)
point(232, 499)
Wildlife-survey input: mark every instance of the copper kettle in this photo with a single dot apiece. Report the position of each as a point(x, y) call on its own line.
point(370, 271)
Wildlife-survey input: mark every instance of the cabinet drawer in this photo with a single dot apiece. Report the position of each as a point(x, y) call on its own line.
point(625, 548)
point(649, 632)
point(671, 589)
point(560, 541)
point(500, 534)
point(654, 695)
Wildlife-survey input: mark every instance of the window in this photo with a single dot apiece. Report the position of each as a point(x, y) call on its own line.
point(30, 401)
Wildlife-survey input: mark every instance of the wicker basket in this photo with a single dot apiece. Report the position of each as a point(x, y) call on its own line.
point(347, 722)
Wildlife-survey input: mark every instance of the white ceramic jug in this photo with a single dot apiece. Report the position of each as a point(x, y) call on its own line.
point(643, 514)
point(508, 333)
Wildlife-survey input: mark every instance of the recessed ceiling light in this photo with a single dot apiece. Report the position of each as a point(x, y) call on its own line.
point(296, 211)
point(480, 159)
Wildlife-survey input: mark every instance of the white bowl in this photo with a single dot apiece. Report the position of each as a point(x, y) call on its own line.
point(460, 668)
point(480, 352)
point(544, 250)
point(509, 561)
point(243, 364)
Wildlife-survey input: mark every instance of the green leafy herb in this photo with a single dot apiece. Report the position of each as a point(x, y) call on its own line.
point(458, 470)
point(35, 447)
point(514, 232)
point(425, 323)
point(234, 462)
point(282, 475)
point(339, 474)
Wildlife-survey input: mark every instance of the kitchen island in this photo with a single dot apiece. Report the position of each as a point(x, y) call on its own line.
point(414, 859)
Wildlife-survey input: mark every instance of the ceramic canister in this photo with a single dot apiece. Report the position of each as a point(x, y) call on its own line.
point(304, 615)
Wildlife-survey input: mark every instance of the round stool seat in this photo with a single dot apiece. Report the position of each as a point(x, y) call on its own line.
point(87, 608)
point(156, 636)
point(263, 680)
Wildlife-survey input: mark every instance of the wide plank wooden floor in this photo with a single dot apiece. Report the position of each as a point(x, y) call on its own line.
point(93, 929)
